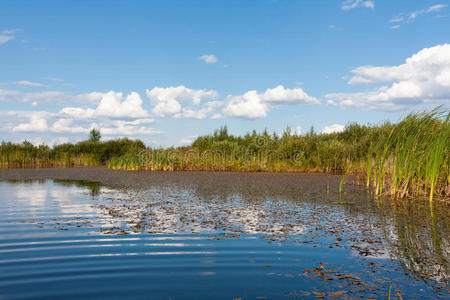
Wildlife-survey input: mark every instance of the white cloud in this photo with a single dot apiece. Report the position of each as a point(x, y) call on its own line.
point(281, 95)
point(78, 112)
point(333, 128)
point(49, 96)
point(5, 38)
point(65, 125)
point(58, 141)
point(351, 4)
point(396, 20)
point(248, 106)
point(112, 105)
point(36, 124)
point(435, 8)
point(201, 113)
point(27, 83)
point(209, 59)
point(126, 130)
point(10, 95)
point(298, 130)
point(216, 116)
point(423, 78)
point(134, 122)
point(167, 100)
point(188, 140)
point(252, 105)
point(411, 16)
point(9, 31)
point(94, 97)
point(19, 96)
point(7, 35)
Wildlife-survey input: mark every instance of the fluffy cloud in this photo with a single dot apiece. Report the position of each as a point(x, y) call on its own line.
point(36, 124)
point(38, 120)
point(112, 105)
point(166, 101)
point(65, 125)
point(209, 59)
point(333, 128)
point(423, 78)
point(351, 4)
point(94, 97)
point(281, 95)
point(252, 105)
point(248, 106)
point(202, 113)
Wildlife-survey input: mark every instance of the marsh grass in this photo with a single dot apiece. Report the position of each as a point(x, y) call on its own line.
point(413, 159)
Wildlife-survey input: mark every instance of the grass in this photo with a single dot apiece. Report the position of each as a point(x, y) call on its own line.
point(407, 159)
point(413, 159)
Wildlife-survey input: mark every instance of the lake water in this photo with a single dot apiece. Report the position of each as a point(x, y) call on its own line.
point(74, 239)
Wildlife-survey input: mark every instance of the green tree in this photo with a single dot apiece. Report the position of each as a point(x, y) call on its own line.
point(94, 135)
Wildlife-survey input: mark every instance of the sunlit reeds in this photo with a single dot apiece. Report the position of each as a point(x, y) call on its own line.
point(413, 159)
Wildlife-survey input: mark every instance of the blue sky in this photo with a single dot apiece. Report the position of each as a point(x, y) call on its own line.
point(167, 71)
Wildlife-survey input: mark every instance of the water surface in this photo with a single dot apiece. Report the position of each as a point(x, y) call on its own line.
point(75, 239)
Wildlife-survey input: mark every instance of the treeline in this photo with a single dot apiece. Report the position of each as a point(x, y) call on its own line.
point(85, 153)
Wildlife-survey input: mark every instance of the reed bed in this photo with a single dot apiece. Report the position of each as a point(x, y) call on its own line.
point(413, 159)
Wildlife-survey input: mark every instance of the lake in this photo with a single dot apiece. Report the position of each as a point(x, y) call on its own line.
point(200, 240)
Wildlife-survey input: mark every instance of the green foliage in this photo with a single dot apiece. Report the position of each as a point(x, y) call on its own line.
point(85, 153)
point(94, 135)
point(412, 159)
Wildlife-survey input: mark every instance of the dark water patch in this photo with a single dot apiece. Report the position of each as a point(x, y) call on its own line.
point(186, 240)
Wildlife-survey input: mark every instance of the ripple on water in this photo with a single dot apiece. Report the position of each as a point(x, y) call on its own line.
point(65, 241)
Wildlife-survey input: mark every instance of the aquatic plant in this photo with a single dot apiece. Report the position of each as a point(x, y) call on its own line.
point(413, 159)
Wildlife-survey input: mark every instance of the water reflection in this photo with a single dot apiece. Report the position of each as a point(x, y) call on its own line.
point(410, 232)
point(418, 235)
